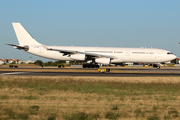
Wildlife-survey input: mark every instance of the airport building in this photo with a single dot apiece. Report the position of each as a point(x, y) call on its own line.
point(10, 61)
point(14, 61)
point(2, 61)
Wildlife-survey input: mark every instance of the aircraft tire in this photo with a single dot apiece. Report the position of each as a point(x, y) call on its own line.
point(90, 66)
point(158, 67)
point(85, 66)
point(97, 66)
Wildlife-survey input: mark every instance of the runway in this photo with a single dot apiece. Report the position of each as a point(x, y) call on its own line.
point(87, 74)
point(115, 72)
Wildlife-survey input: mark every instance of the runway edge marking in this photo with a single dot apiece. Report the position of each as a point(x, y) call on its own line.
point(12, 73)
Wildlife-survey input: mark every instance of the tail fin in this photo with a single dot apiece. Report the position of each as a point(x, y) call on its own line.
point(23, 36)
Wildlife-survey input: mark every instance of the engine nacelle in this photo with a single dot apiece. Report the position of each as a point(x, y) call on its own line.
point(103, 60)
point(78, 56)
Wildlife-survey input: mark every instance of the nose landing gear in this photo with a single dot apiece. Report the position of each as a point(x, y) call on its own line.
point(156, 66)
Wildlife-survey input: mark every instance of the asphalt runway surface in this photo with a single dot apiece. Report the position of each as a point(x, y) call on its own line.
point(127, 72)
point(87, 74)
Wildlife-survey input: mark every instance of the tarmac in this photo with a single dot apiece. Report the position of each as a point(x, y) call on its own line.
point(115, 72)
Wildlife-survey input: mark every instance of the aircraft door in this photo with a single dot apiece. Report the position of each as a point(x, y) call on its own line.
point(127, 52)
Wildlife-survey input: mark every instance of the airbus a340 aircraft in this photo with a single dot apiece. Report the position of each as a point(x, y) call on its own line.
point(103, 55)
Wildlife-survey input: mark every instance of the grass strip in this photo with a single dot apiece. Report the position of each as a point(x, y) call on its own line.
point(88, 98)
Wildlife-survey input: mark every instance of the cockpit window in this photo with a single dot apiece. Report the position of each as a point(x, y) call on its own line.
point(169, 53)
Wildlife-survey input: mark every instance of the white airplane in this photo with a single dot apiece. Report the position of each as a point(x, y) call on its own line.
point(103, 55)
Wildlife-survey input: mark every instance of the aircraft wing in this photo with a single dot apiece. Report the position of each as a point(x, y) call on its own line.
point(19, 47)
point(97, 55)
point(70, 52)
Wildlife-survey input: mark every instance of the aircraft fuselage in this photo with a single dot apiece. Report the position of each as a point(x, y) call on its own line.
point(146, 55)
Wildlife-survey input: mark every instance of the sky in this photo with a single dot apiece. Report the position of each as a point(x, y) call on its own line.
point(104, 23)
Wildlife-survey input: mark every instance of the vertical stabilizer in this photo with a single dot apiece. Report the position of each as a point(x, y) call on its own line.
point(23, 36)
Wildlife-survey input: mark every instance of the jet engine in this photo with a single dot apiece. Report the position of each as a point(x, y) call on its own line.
point(78, 56)
point(103, 60)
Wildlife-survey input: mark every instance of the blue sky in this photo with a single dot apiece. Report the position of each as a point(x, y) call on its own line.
point(109, 23)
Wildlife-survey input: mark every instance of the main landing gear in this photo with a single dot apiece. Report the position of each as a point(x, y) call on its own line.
point(91, 65)
point(156, 66)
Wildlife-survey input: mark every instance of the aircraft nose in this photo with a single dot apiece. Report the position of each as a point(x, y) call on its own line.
point(174, 56)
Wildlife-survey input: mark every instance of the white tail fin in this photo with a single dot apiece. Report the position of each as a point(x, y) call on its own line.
point(23, 36)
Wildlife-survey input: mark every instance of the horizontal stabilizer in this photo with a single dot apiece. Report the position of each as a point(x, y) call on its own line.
point(25, 48)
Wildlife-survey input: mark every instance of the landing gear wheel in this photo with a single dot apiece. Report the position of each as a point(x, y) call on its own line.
point(158, 67)
point(96, 66)
point(84, 66)
point(91, 65)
